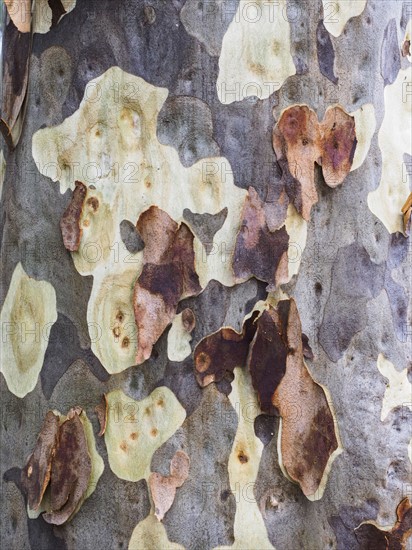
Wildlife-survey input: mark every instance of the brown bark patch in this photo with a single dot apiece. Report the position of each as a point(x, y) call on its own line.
point(272, 346)
point(57, 9)
point(188, 320)
point(308, 436)
point(16, 50)
point(163, 488)
point(70, 221)
point(268, 353)
point(299, 140)
point(407, 215)
point(35, 476)
point(258, 251)
point(101, 413)
point(71, 470)
point(168, 275)
point(370, 535)
point(222, 352)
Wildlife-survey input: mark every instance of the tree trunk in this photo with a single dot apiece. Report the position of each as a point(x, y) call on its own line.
point(205, 219)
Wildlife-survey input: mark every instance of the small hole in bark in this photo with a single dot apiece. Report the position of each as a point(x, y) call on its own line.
point(242, 457)
point(93, 202)
point(125, 342)
point(224, 495)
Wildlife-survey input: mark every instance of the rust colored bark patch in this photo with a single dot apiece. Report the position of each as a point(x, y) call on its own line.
point(273, 347)
point(35, 475)
point(70, 222)
point(307, 436)
point(163, 489)
point(407, 215)
point(268, 353)
point(299, 140)
point(222, 351)
point(370, 535)
point(71, 470)
point(168, 275)
point(261, 344)
point(260, 252)
point(101, 412)
point(19, 12)
point(338, 145)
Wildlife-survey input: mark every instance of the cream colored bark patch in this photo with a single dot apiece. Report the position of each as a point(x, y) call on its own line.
point(43, 14)
point(395, 138)
point(244, 460)
point(150, 534)
point(112, 326)
point(255, 59)
point(336, 13)
point(28, 313)
point(365, 126)
point(97, 461)
point(136, 429)
point(179, 337)
point(297, 229)
point(110, 144)
point(398, 391)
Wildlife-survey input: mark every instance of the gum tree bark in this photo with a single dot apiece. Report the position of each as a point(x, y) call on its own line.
point(206, 220)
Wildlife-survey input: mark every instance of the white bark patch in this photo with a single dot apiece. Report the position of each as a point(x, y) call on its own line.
point(136, 429)
point(178, 340)
point(297, 229)
point(110, 144)
point(398, 390)
point(336, 13)
point(150, 534)
point(255, 59)
point(42, 15)
point(395, 138)
point(365, 126)
point(243, 466)
point(28, 314)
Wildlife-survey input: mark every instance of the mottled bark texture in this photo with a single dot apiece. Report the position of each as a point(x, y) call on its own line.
point(205, 259)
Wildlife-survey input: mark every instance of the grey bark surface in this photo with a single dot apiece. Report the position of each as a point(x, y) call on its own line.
point(352, 289)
